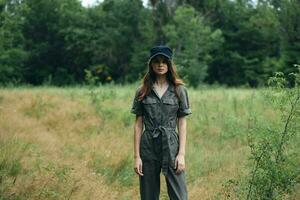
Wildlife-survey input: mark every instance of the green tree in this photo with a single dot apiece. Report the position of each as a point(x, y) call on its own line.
point(41, 31)
point(262, 52)
point(76, 29)
point(162, 14)
point(251, 50)
point(289, 17)
point(12, 53)
point(56, 38)
point(192, 41)
point(146, 38)
point(116, 26)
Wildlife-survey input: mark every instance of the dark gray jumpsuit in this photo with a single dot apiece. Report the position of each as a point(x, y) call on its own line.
point(159, 143)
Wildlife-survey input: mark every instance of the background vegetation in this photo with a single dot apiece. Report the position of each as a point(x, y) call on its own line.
point(228, 42)
point(69, 143)
point(75, 141)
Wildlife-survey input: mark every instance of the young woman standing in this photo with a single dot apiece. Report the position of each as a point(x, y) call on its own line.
point(160, 104)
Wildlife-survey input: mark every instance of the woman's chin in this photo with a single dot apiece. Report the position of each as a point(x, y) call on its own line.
point(161, 73)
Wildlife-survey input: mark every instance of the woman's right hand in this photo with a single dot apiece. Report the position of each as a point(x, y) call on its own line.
point(138, 166)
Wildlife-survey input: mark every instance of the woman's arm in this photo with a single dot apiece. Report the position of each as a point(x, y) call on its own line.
point(179, 161)
point(182, 135)
point(138, 129)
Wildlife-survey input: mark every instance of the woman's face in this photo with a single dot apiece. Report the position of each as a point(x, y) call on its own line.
point(159, 65)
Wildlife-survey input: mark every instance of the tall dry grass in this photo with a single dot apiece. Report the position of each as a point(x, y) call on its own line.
point(63, 143)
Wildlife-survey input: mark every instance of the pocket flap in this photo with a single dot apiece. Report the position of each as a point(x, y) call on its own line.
point(170, 101)
point(149, 101)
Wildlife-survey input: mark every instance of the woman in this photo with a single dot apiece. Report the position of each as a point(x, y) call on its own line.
point(160, 104)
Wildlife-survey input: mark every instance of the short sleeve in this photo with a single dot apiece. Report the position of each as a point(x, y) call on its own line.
point(184, 104)
point(137, 105)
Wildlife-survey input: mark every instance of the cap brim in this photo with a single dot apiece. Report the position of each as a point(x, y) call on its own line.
point(159, 53)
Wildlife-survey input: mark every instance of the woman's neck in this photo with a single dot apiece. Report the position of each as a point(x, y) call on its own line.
point(161, 80)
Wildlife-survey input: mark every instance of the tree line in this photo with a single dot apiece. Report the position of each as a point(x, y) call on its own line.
point(226, 42)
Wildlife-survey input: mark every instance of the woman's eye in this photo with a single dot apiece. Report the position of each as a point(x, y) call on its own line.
point(155, 61)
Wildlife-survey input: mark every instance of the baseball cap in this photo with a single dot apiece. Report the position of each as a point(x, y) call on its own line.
point(160, 50)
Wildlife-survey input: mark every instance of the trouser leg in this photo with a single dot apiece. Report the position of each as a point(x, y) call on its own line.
point(150, 182)
point(176, 185)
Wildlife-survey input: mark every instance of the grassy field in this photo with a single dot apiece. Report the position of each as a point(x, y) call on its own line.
point(69, 143)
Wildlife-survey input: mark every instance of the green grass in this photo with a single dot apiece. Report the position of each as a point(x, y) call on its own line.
point(69, 143)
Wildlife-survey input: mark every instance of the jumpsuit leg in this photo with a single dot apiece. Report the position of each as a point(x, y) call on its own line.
point(176, 185)
point(150, 182)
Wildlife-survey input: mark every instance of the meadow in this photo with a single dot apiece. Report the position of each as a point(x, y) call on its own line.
point(77, 142)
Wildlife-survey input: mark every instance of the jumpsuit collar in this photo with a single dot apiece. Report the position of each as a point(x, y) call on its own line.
point(169, 89)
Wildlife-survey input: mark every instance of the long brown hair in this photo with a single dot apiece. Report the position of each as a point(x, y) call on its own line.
point(150, 78)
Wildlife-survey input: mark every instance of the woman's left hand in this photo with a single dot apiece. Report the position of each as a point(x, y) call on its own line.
point(179, 164)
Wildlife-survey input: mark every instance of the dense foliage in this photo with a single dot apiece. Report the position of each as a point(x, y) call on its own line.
point(235, 43)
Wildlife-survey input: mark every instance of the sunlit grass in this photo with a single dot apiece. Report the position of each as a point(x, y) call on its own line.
point(69, 143)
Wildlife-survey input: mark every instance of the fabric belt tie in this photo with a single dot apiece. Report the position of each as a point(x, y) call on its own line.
point(164, 132)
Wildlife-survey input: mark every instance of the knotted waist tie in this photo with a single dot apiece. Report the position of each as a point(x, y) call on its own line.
point(165, 133)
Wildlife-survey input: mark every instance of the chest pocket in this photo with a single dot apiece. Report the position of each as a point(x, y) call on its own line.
point(150, 106)
point(171, 105)
point(170, 101)
point(148, 101)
